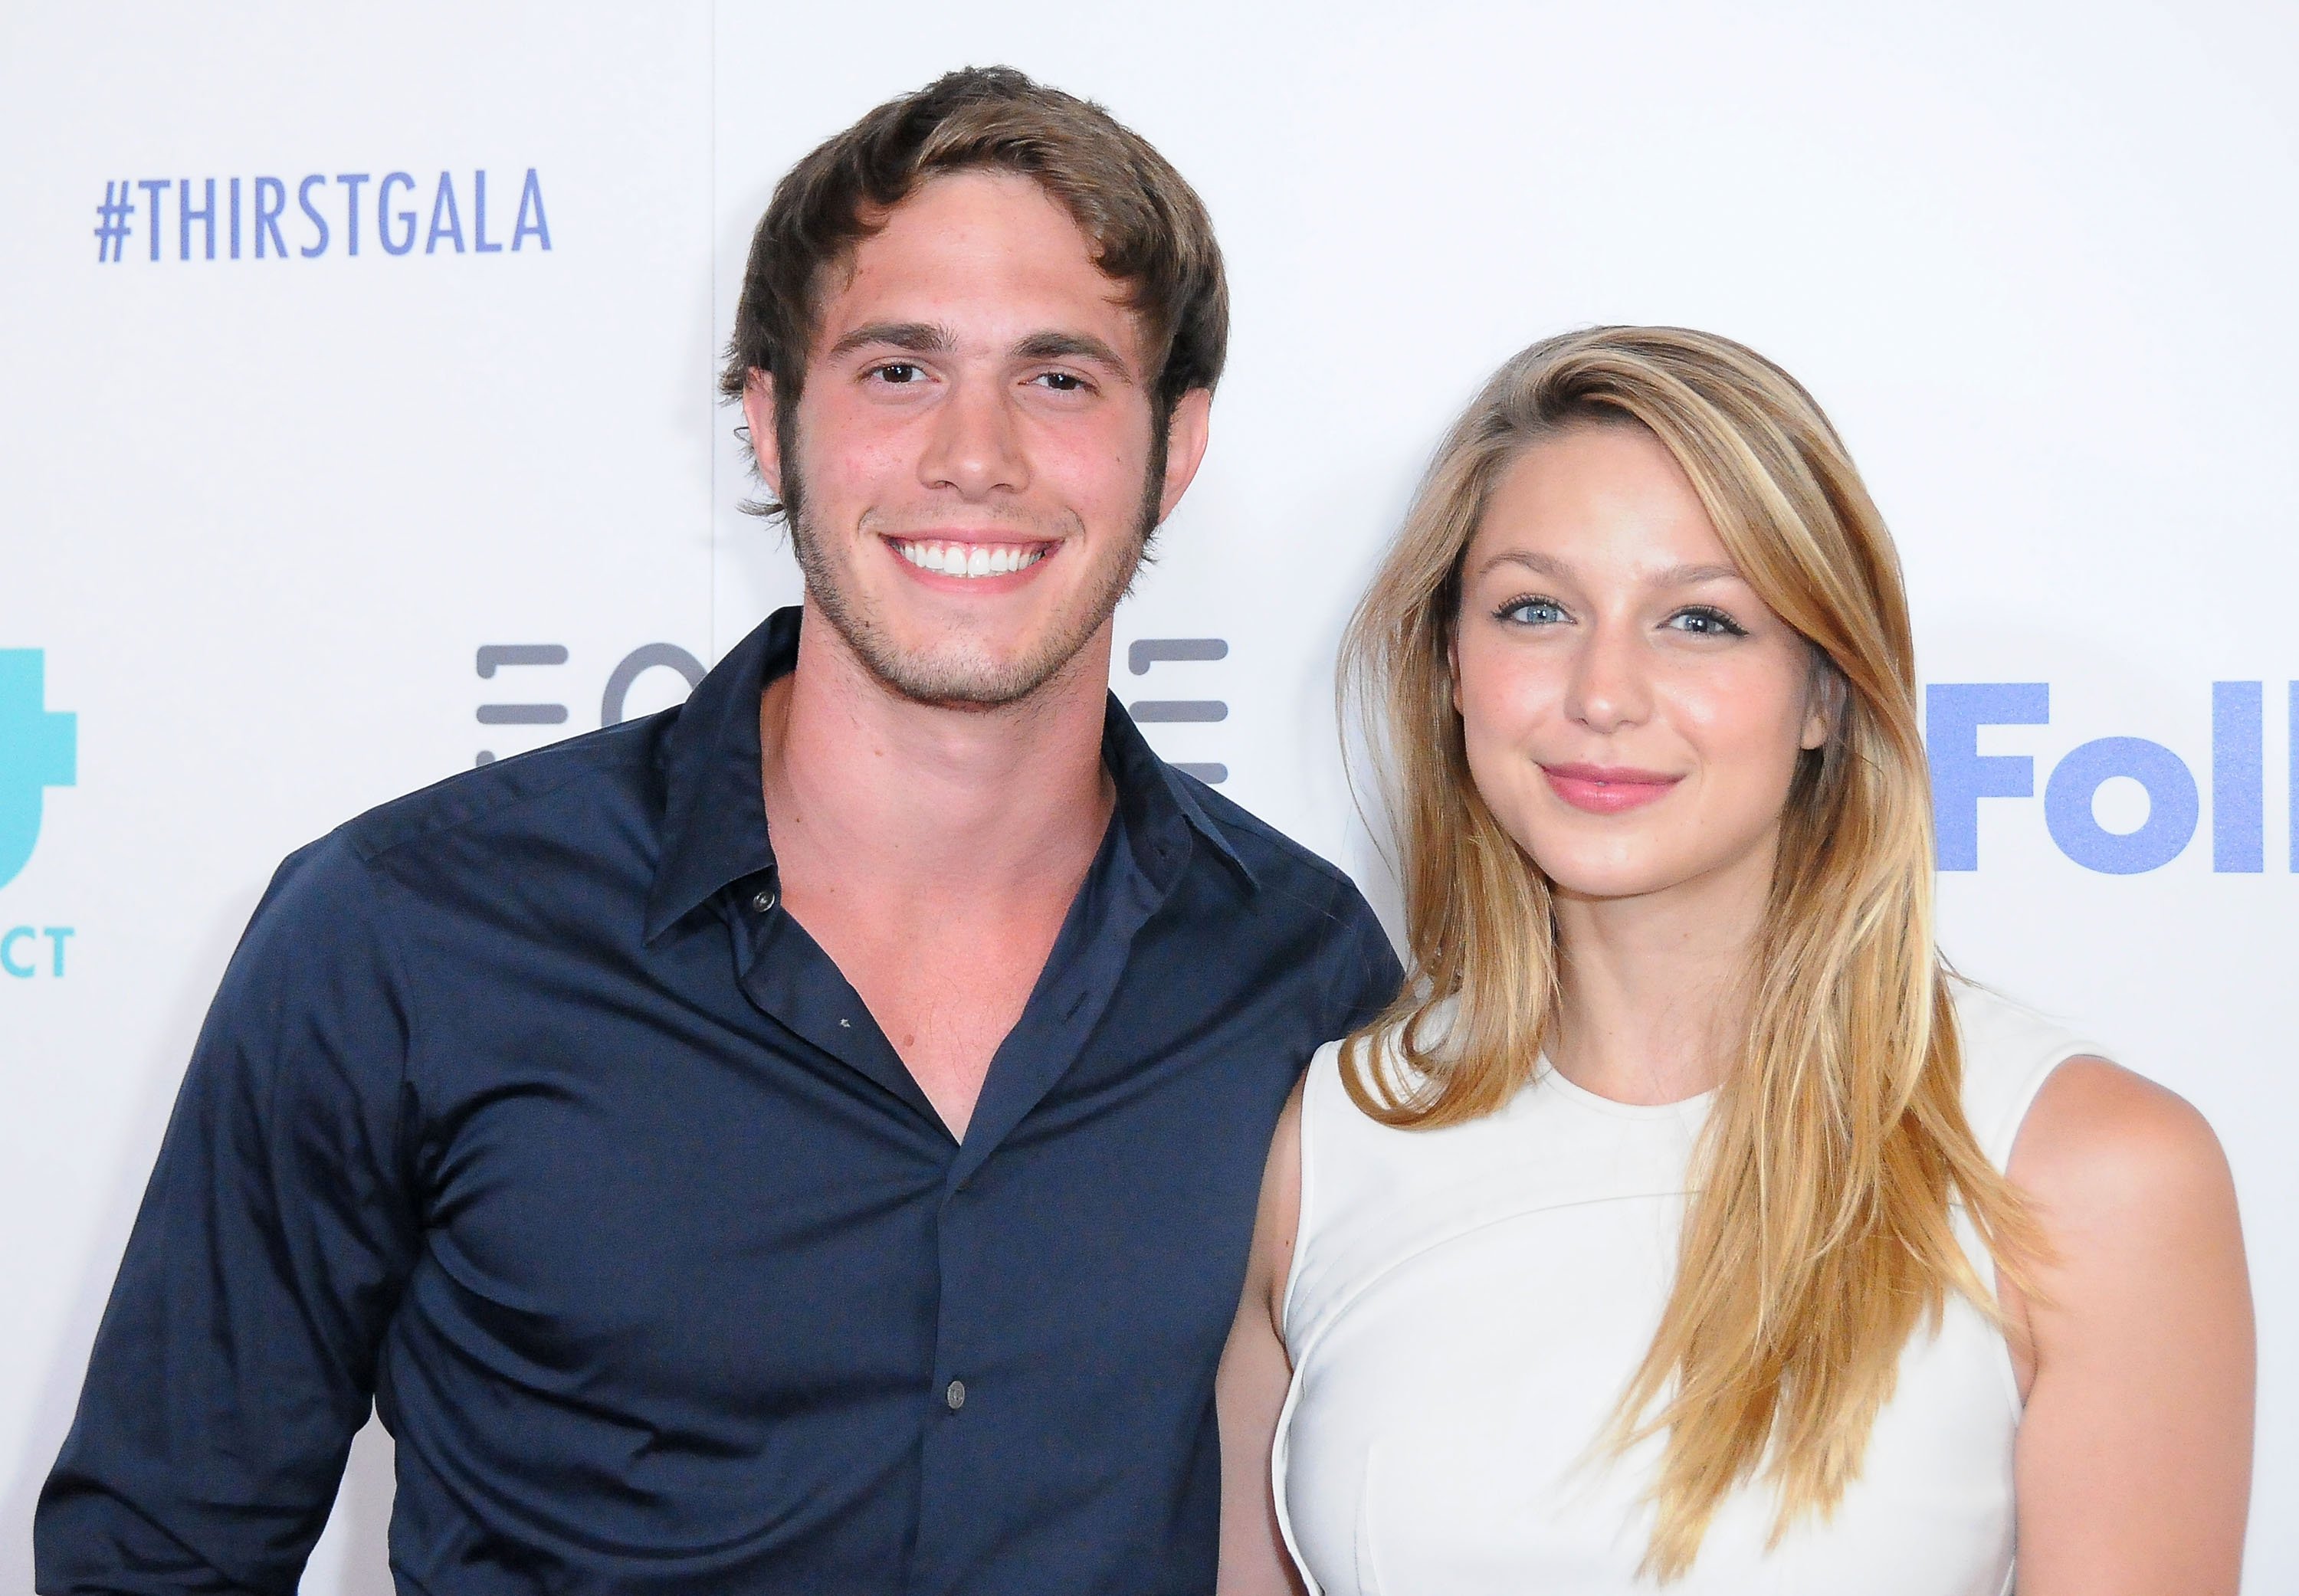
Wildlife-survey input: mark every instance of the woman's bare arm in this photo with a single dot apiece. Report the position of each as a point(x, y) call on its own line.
point(2134, 1457)
point(1250, 1388)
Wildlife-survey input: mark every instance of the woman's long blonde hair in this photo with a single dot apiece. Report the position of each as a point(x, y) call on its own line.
point(1820, 1235)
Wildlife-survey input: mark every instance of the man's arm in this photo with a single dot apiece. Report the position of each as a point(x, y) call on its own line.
point(235, 1359)
point(1362, 972)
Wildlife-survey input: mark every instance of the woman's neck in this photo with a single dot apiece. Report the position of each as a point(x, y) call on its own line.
point(1653, 986)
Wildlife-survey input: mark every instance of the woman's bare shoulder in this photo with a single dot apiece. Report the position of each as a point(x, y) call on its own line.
point(2104, 1143)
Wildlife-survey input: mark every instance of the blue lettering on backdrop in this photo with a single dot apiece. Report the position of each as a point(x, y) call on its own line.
point(271, 201)
point(156, 188)
point(351, 182)
point(2172, 805)
point(185, 216)
point(1955, 711)
point(117, 212)
point(480, 245)
point(39, 748)
point(2238, 777)
point(383, 218)
point(11, 940)
point(530, 202)
point(1961, 775)
point(442, 203)
point(303, 198)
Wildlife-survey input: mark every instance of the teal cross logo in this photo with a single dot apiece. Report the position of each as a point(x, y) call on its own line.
point(39, 747)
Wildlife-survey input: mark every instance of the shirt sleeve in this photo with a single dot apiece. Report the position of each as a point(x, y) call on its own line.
point(235, 1359)
point(1362, 971)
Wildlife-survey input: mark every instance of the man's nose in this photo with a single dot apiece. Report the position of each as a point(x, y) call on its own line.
point(1610, 686)
point(976, 446)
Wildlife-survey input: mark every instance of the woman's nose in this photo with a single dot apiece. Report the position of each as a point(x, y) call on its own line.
point(1608, 688)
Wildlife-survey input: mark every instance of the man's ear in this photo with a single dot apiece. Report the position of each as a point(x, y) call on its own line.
point(759, 418)
point(1186, 435)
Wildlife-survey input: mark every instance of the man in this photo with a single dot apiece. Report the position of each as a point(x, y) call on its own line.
point(807, 1140)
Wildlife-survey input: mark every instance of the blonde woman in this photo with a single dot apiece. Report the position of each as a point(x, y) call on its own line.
point(1685, 1222)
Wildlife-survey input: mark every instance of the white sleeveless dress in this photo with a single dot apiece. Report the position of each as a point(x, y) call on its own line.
point(1466, 1305)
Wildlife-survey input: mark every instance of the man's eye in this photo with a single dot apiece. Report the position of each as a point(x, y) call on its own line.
point(1530, 612)
point(1061, 382)
point(897, 371)
point(1703, 621)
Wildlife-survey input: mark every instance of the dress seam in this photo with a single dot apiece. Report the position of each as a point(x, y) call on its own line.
point(1342, 1308)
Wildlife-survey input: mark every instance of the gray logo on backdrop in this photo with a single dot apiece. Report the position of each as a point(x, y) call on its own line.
point(496, 657)
point(1148, 651)
point(1141, 657)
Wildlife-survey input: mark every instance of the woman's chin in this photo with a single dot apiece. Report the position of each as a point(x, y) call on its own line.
point(1593, 882)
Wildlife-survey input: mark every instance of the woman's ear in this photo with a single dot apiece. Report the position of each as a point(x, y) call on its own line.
point(1825, 694)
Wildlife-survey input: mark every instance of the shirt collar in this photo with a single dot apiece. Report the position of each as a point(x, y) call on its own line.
point(715, 817)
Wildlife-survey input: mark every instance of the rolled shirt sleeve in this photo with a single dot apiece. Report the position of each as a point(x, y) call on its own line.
point(235, 1359)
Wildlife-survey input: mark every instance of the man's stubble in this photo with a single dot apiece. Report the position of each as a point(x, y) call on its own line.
point(961, 683)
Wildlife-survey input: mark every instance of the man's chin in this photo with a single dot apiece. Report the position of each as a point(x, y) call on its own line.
point(993, 658)
point(965, 678)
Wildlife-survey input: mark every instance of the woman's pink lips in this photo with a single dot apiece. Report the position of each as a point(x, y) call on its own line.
point(1603, 790)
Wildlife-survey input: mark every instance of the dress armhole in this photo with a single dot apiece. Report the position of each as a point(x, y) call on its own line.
point(1997, 1141)
point(2004, 1135)
point(1323, 1063)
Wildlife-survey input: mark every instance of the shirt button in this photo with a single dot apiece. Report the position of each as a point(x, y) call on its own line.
point(954, 1393)
point(764, 900)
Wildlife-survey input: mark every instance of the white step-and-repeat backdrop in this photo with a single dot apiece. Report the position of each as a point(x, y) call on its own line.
point(359, 427)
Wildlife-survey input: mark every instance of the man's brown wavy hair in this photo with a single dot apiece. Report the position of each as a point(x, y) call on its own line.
point(1149, 230)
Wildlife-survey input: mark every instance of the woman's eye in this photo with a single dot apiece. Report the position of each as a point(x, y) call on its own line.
point(1531, 612)
point(1703, 621)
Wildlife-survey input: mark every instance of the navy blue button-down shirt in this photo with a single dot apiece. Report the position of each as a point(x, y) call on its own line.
point(525, 1109)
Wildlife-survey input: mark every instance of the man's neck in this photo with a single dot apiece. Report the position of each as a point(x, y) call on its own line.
point(933, 852)
point(928, 804)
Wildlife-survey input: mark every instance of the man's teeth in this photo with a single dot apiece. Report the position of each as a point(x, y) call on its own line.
point(970, 560)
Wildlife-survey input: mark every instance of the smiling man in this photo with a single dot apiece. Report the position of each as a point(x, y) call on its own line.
point(806, 1141)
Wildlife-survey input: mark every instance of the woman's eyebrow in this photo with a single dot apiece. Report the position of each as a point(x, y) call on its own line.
point(1691, 575)
point(1539, 564)
point(1548, 565)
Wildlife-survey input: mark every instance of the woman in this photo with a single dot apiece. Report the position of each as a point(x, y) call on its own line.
point(1685, 1221)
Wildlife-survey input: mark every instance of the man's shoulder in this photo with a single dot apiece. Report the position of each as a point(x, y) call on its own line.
point(1301, 895)
point(563, 788)
point(1274, 860)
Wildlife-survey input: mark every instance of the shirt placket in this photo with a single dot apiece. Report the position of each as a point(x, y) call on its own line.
point(1080, 979)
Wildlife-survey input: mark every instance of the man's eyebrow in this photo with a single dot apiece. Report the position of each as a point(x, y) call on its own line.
point(913, 337)
point(1073, 346)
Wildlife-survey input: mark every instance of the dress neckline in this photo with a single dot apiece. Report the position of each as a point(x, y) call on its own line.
point(1693, 1109)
